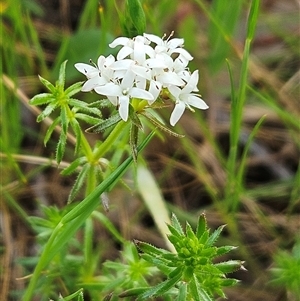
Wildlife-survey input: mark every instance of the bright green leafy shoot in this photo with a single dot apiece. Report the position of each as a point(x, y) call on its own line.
point(191, 272)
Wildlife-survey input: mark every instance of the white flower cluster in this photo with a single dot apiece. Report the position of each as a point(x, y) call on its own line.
point(143, 67)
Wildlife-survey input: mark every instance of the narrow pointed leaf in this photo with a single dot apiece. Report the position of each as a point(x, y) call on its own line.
point(78, 183)
point(47, 111)
point(75, 88)
point(133, 140)
point(62, 75)
point(47, 84)
point(73, 166)
point(215, 235)
point(175, 223)
point(41, 99)
point(162, 287)
point(161, 126)
point(201, 226)
point(197, 292)
point(105, 124)
point(51, 129)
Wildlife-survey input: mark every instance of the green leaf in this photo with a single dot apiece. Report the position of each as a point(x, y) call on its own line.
point(51, 129)
point(41, 99)
point(87, 118)
point(149, 249)
point(190, 233)
point(133, 140)
point(105, 124)
point(60, 149)
point(77, 130)
point(75, 88)
point(48, 85)
point(83, 107)
point(48, 110)
point(182, 292)
point(215, 235)
point(175, 223)
point(197, 292)
point(79, 182)
point(229, 266)
point(133, 292)
point(160, 125)
point(224, 249)
point(253, 16)
point(135, 18)
point(73, 166)
point(162, 287)
point(62, 75)
point(201, 226)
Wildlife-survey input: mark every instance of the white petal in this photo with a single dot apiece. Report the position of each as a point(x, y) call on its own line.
point(141, 94)
point(93, 83)
point(138, 50)
point(122, 64)
point(174, 43)
point(183, 52)
point(175, 91)
point(128, 79)
point(119, 41)
point(197, 102)
point(155, 63)
point(123, 109)
point(153, 38)
point(177, 113)
point(124, 52)
point(109, 89)
point(170, 78)
point(88, 70)
point(154, 89)
point(141, 71)
point(192, 83)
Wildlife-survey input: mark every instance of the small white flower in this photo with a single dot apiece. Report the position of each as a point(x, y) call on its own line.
point(123, 92)
point(184, 98)
point(97, 75)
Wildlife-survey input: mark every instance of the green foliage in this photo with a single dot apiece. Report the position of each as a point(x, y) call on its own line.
point(134, 21)
point(191, 272)
point(286, 272)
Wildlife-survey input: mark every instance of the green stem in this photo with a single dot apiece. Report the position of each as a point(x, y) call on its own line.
point(106, 145)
